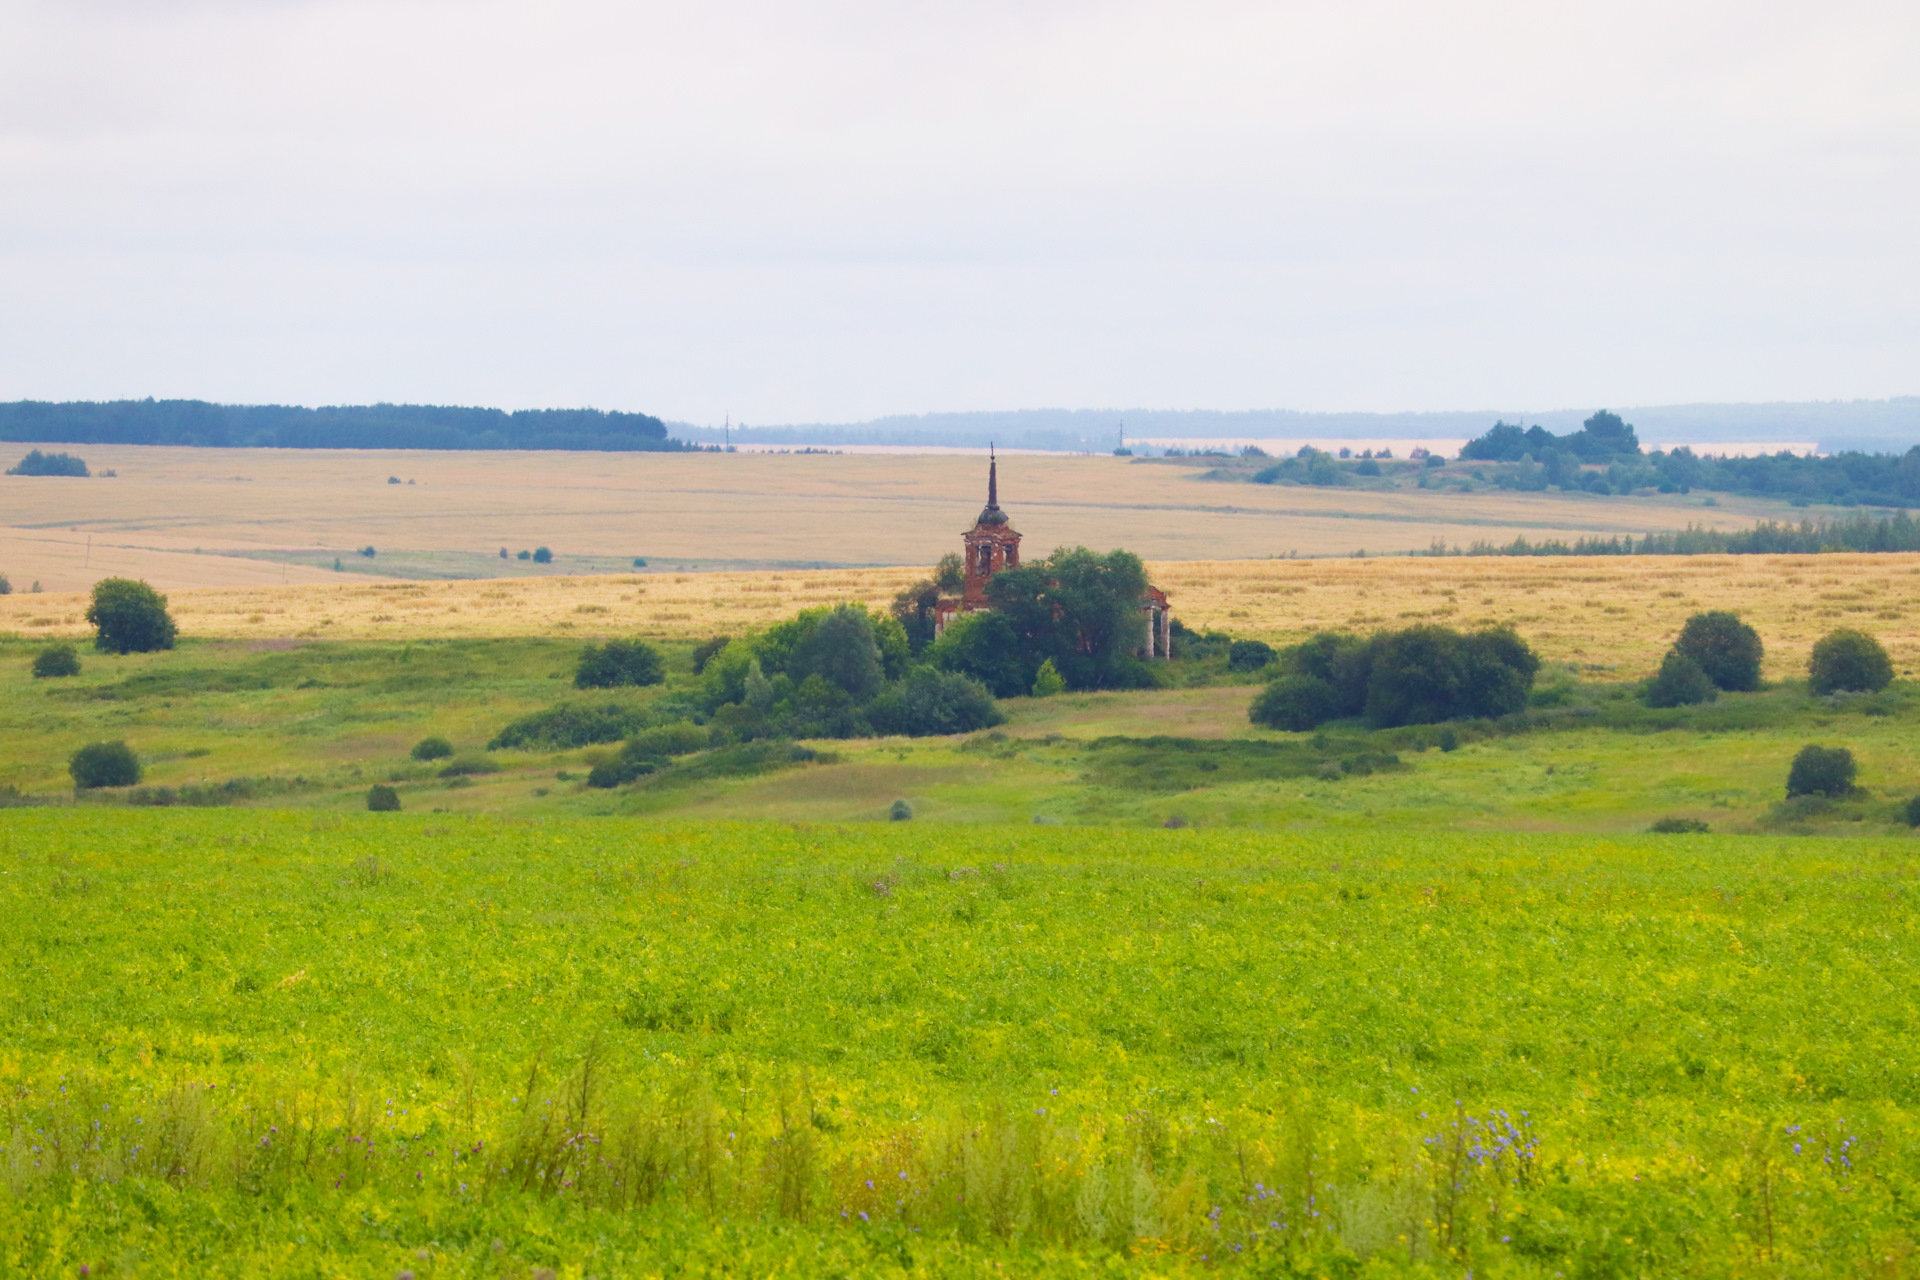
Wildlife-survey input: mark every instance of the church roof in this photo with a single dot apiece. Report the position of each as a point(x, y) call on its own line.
point(991, 513)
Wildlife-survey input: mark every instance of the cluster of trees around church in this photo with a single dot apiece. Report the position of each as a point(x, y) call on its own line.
point(1574, 461)
point(1075, 615)
point(377, 426)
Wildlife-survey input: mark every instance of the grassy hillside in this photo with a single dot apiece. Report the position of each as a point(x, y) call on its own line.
point(292, 1044)
point(313, 725)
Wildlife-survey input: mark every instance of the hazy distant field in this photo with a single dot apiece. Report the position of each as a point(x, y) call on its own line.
point(246, 517)
point(1613, 613)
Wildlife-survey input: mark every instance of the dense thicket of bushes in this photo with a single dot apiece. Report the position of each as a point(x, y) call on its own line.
point(836, 672)
point(377, 426)
point(37, 463)
point(1419, 675)
point(617, 663)
point(569, 725)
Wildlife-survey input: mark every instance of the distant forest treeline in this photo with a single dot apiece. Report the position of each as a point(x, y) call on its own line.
point(372, 426)
point(1850, 478)
point(1897, 532)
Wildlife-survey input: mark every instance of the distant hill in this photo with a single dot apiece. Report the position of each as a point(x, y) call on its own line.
point(1873, 426)
point(373, 426)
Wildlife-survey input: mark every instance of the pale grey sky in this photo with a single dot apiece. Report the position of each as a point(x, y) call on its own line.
point(831, 211)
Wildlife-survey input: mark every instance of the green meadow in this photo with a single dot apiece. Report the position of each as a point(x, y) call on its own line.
point(312, 726)
point(286, 1043)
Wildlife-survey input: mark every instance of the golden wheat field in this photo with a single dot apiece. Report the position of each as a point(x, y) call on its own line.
point(1617, 613)
point(182, 517)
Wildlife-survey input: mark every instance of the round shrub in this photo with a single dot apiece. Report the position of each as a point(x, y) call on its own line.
point(6, 588)
point(1248, 655)
point(901, 811)
point(930, 703)
point(1048, 681)
point(129, 617)
point(616, 663)
point(1727, 649)
point(1679, 827)
point(431, 749)
point(1848, 661)
point(1913, 812)
point(542, 556)
point(55, 661)
point(1821, 771)
point(382, 798)
point(1295, 704)
point(104, 764)
point(1681, 683)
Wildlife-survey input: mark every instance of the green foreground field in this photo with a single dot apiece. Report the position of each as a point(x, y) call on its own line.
point(305, 1044)
point(313, 725)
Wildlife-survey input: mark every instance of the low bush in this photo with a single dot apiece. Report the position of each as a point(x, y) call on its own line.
point(1821, 771)
point(1848, 661)
point(929, 703)
point(431, 749)
point(649, 750)
point(382, 798)
point(1295, 703)
point(1047, 681)
point(463, 766)
point(56, 661)
point(1912, 812)
point(900, 811)
point(1249, 655)
point(566, 726)
point(1727, 649)
point(1681, 683)
point(104, 764)
point(1679, 827)
point(617, 663)
point(542, 556)
point(6, 587)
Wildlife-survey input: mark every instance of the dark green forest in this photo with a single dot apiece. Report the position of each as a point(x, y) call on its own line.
point(1604, 456)
point(375, 426)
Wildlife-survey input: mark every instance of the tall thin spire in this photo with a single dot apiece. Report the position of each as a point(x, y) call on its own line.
point(993, 480)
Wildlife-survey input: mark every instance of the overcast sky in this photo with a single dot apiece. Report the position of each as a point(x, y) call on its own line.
point(829, 211)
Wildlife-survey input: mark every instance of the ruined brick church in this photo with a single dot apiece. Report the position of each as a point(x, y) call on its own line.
point(993, 544)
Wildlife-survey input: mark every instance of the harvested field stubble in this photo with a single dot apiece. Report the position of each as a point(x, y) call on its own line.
point(1605, 613)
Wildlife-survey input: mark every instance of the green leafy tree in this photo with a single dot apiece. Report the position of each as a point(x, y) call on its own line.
point(1727, 649)
point(1082, 610)
point(985, 647)
point(1681, 683)
point(914, 609)
point(542, 556)
point(1047, 681)
point(1848, 661)
point(104, 764)
point(1821, 771)
point(382, 798)
point(56, 661)
point(129, 617)
point(431, 749)
point(842, 649)
point(617, 663)
point(704, 651)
